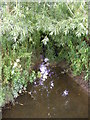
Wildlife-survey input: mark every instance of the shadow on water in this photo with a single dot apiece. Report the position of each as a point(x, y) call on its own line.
point(55, 95)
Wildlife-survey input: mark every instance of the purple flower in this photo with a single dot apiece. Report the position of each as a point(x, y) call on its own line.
point(41, 82)
point(43, 68)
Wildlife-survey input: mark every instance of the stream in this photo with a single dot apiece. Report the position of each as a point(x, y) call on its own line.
point(54, 95)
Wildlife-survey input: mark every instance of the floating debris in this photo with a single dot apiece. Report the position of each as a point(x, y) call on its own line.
point(52, 84)
point(48, 114)
point(51, 87)
point(29, 93)
point(62, 72)
point(21, 104)
point(48, 107)
point(35, 83)
point(66, 103)
point(65, 93)
point(25, 91)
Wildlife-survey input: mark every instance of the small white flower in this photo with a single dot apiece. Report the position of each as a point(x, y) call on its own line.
point(20, 91)
point(11, 63)
point(39, 1)
point(29, 93)
point(12, 72)
point(15, 65)
point(45, 40)
point(17, 60)
point(27, 8)
point(24, 88)
point(51, 33)
point(19, 66)
point(21, 69)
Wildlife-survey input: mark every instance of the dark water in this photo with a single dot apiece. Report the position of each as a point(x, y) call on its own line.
point(49, 100)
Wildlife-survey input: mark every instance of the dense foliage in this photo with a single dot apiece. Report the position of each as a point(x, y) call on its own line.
point(62, 28)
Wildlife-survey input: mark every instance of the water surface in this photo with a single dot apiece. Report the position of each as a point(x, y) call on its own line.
point(47, 98)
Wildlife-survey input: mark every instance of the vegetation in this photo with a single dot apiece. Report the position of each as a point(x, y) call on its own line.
point(62, 28)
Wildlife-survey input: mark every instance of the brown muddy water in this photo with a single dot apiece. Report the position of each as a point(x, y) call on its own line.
point(56, 97)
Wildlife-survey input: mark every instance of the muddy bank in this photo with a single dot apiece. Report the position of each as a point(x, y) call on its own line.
point(79, 79)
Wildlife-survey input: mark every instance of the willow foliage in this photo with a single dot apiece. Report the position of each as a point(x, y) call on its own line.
point(63, 27)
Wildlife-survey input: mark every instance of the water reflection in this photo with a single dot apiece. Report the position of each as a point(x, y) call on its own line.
point(44, 70)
